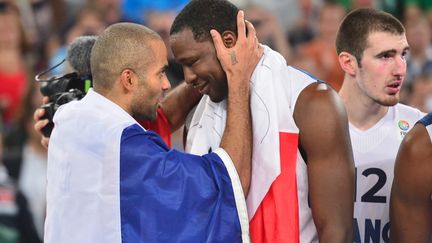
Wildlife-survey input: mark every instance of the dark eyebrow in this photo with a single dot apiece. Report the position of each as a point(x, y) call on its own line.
point(186, 61)
point(189, 59)
point(391, 52)
point(386, 52)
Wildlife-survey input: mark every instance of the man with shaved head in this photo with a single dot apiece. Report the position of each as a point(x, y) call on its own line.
point(112, 180)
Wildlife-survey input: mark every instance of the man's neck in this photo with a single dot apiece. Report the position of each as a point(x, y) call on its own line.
point(116, 96)
point(363, 112)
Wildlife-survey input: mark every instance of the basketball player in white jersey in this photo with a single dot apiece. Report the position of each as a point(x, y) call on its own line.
point(303, 175)
point(372, 47)
point(411, 204)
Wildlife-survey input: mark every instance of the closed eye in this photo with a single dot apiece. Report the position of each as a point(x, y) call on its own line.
point(190, 63)
point(163, 70)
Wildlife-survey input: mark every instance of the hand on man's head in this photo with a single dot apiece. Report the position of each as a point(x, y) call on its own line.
point(244, 55)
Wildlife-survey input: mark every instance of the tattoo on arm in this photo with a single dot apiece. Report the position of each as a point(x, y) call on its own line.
point(233, 58)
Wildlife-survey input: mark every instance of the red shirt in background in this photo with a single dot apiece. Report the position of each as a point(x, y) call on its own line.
point(11, 93)
point(161, 126)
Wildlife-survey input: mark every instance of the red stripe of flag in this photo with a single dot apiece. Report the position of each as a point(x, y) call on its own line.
point(277, 218)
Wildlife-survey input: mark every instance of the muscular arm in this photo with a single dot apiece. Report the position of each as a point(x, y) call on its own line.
point(326, 146)
point(178, 103)
point(410, 203)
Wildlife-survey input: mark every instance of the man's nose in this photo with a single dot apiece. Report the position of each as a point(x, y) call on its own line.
point(166, 85)
point(400, 66)
point(189, 75)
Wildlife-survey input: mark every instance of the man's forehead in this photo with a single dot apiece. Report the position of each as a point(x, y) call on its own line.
point(186, 34)
point(183, 43)
point(386, 41)
point(183, 35)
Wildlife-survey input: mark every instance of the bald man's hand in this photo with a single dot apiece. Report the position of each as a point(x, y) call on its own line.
point(238, 55)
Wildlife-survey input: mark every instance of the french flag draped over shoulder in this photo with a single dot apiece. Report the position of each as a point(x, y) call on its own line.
point(114, 181)
point(272, 201)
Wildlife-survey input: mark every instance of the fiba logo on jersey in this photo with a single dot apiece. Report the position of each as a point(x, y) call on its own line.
point(404, 127)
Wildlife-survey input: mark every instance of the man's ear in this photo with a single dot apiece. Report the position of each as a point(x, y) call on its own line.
point(127, 79)
point(229, 39)
point(348, 63)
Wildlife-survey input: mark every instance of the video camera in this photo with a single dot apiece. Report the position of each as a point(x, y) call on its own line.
point(61, 90)
point(71, 86)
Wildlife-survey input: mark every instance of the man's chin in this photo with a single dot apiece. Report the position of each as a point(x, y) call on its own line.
point(216, 98)
point(389, 102)
point(147, 117)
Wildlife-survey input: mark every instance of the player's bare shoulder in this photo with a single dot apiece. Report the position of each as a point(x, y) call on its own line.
point(316, 100)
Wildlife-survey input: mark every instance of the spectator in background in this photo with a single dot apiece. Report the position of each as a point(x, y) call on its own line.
point(158, 16)
point(319, 56)
point(47, 21)
point(25, 157)
point(304, 26)
point(40, 19)
point(419, 58)
point(16, 225)
point(420, 92)
point(133, 9)
point(296, 17)
point(161, 21)
point(110, 9)
point(392, 7)
point(13, 67)
point(89, 21)
point(419, 62)
point(269, 31)
point(414, 8)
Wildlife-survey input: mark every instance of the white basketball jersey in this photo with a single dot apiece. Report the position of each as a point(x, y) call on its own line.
point(375, 152)
point(207, 125)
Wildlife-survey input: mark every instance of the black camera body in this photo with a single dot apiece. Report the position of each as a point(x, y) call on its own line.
point(62, 90)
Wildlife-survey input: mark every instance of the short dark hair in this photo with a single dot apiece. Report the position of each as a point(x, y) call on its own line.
point(200, 16)
point(358, 24)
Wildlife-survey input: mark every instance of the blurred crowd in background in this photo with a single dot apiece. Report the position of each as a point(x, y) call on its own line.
point(34, 35)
